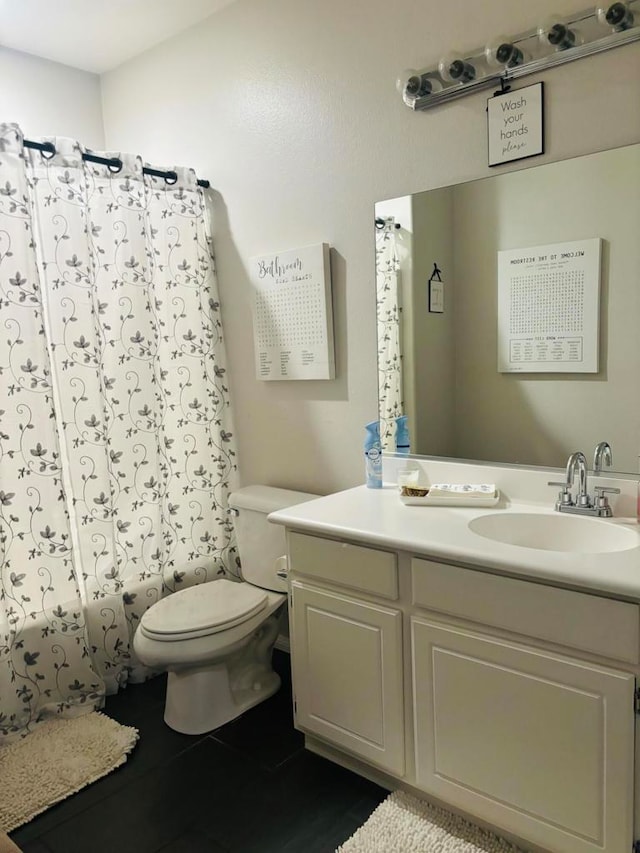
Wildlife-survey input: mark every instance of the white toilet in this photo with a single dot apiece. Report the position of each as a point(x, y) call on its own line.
point(216, 639)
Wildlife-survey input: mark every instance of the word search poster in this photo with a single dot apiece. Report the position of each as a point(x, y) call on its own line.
point(292, 314)
point(549, 308)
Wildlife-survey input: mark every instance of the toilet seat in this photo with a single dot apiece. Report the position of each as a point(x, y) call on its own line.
point(199, 611)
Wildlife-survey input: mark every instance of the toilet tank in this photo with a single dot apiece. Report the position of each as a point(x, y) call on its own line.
point(260, 543)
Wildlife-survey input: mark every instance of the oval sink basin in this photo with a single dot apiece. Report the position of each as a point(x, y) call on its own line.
point(555, 532)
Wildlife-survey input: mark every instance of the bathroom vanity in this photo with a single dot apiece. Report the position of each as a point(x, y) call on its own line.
point(495, 679)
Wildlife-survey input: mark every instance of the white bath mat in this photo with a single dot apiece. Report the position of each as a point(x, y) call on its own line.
point(56, 760)
point(404, 824)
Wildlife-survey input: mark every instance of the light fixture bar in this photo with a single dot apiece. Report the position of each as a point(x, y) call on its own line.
point(487, 76)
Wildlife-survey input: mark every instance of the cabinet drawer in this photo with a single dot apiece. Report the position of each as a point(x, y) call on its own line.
point(354, 566)
point(602, 626)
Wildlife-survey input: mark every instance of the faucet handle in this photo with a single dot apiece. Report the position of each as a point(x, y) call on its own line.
point(606, 490)
point(601, 502)
point(601, 491)
point(564, 497)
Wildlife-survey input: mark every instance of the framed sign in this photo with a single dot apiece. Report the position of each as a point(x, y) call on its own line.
point(515, 124)
point(549, 308)
point(292, 314)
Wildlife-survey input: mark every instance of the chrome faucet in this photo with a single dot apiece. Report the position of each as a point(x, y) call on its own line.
point(583, 504)
point(578, 461)
point(602, 452)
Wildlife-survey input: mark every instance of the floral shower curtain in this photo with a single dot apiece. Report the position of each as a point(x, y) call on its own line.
point(391, 403)
point(116, 444)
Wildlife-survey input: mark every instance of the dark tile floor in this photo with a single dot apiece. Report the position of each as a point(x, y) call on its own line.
point(248, 786)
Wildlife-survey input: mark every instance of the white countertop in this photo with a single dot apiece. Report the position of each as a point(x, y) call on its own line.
point(378, 517)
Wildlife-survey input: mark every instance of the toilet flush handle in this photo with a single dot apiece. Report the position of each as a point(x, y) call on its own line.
point(282, 567)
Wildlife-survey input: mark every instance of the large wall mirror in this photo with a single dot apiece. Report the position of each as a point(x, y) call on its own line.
point(441, 367)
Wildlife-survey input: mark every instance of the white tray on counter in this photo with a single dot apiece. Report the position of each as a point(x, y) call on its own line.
point(450, 500)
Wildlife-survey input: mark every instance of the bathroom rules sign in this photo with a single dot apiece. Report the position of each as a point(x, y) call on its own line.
point(515, 125)
point(292, 314)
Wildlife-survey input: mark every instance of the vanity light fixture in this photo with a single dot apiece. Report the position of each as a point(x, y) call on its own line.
point(553, 42)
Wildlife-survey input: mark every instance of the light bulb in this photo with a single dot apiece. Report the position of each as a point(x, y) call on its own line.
point(618, 16)
point(559, 35)
point(501, 53)
point(413, 84)
point(456, 70)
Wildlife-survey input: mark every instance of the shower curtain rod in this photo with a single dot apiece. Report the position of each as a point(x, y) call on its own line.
point(380, 223)
point(113, 163)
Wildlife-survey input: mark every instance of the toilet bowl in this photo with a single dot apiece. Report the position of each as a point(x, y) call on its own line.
point(216, 639)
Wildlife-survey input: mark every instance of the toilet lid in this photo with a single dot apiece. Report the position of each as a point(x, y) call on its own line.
point(201, 610)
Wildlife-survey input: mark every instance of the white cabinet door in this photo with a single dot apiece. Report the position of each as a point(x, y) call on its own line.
point(533, 742)
point(347, 673)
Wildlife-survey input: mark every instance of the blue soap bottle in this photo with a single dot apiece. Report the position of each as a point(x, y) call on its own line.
point(402, 435)
point(373, 455)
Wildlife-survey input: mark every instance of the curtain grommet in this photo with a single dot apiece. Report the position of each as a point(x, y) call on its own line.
point(50, 148)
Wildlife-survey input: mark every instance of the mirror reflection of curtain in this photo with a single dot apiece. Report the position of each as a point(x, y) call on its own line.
point(116, 442)
point(388, 319)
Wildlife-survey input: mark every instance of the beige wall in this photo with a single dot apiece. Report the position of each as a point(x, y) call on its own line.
point(289, 108)
point(49, 99)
